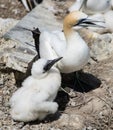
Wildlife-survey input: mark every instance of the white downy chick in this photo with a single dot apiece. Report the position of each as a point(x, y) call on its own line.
point(34, 100)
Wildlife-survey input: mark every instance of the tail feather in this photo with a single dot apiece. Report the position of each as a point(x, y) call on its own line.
point(36, 34)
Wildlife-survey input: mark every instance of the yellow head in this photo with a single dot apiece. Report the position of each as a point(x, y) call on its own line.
point(72, 20)
point(75, 20)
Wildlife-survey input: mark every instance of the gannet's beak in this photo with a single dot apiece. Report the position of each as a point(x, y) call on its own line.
point(50, 63)
point(89, 23)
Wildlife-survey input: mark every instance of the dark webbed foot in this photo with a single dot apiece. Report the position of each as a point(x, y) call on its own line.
point(85, 82)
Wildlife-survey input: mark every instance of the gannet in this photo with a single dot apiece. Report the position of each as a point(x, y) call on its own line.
point(91, 6)
point(67, 44)
point(34, 100)
point(76, 6)
point(30, 4)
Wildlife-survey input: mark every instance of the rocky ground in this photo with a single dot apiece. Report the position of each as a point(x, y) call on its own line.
point(11, 9)
point(89, 107)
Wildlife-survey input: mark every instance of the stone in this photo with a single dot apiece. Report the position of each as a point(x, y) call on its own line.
point(6, 24)
point(102, 47)
point(19, 44)
point(72, 121)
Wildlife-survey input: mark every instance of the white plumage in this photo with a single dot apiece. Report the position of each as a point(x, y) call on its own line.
point(91, 6)
point(75, 53)
point(101, 10)
point(67, 44)
point(95, 6)
point(34, 100)
point(76, 6)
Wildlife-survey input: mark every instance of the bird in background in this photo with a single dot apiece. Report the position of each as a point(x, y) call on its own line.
point(91, 6)
point(34, 100)
point(95, 6)
point(87, 6)
point(77, 5)
point(30, 4)
point(102, 11)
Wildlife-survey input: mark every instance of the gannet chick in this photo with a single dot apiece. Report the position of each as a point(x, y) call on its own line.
point(34, 100)
point(67, 44)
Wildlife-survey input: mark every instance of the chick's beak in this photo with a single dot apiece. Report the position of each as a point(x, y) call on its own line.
point(90, 23)
point(50, 63)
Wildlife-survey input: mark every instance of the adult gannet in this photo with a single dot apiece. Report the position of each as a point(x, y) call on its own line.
point(67, 44)
point(34, 100)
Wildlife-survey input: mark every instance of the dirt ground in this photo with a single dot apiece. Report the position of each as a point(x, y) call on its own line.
point(89, 107)
point(12, 9)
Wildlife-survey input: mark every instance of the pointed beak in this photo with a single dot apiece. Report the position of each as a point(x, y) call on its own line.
point(50, 63)
point(90, 23)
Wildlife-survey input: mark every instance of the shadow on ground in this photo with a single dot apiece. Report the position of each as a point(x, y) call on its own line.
point(80, 81)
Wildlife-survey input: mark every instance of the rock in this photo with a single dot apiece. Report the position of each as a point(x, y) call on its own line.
point(102, 47)
point(6, 24)
point(20, 49)
point(108, 19)
point(39, 17)
point(14, 56)
point(71, 121)
point(1, 81)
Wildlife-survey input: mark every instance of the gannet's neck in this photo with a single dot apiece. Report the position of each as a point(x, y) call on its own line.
point(76, 53)
point(72, 37)
point(68, 32)
point(70, 21)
